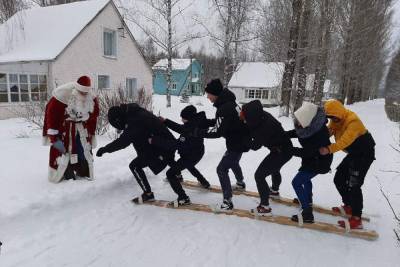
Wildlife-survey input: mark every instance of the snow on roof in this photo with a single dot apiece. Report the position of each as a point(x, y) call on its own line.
point(177, 63)
point(257, 75)
point(42, 33)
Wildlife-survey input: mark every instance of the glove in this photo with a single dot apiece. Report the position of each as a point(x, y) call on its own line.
point(101, 151)
point(59, 145)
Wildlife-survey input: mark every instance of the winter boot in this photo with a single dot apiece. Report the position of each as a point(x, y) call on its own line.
point(145, 197)
point(239, 186)
point(204, 183)
point(180, 202)
point(274, 194)
point(226, 205)
point(354, 223)
point(307, 215)
point(262, 210)
point(343, 210)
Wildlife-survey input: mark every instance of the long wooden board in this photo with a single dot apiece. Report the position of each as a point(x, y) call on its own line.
point(280, 200)
point(318, 226)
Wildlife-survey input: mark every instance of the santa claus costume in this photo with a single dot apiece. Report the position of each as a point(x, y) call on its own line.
point(69, 127)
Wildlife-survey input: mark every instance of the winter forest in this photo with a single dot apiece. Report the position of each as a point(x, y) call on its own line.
point(206, 132)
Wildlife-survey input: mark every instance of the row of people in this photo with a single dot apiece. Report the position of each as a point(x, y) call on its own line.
point(249, 127)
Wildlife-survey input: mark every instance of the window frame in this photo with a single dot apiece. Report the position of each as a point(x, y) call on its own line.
point(132, 91)
point(114, 33)
point(98, 82)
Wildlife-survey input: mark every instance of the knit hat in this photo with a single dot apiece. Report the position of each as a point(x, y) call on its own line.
point(306, 113)
point(116, 117)
point(83, 84)
point(189, 112)
point(214, 87)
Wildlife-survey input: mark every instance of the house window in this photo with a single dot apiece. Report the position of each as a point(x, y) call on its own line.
point(131, 87)
point(14, 88)
point(3, 88)
point(173, 86)
point(265, 94)
point(38, 86)
point(258, 94)
point(249, 93)
point(110, 43)
point(103, 82)
point(274, 94)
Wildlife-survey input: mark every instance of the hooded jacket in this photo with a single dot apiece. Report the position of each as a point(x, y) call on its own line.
point(227, 123)
point(264, 128)
point(311, 138)
point(188, 145)
point(350, 133)
point(139, 126)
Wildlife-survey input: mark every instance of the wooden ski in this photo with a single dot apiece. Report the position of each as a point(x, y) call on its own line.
point(280, 200)
point(318, 226)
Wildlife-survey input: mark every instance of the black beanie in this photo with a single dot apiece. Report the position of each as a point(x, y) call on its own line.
point(116, 117)
point(214, 87)
point(189, 112)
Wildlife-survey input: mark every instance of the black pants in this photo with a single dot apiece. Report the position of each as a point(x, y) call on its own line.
point(185, 162)
point(230, 160)
point(349, 178)
point(136, 167)
point(271, 165)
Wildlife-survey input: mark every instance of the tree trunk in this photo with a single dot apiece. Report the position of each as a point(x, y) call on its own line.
point(227, 41)
point(169, 46)
point(301, 86)
point(290, 63)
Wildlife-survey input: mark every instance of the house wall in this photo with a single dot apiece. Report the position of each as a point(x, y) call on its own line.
point(84, 56)
point(179, 77)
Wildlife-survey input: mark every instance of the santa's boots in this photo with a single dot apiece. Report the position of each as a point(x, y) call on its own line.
point(145, 197)
point(307, 214)
point(354, 223)
point(343, 210)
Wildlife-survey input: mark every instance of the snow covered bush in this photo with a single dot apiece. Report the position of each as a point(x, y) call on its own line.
point(32, 112)
point(116, 97)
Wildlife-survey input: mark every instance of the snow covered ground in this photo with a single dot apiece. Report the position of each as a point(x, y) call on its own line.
point(83, 223)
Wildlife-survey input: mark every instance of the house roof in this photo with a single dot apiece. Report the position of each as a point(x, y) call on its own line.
point(257, 75)
point(177, 63)
point(42, 33)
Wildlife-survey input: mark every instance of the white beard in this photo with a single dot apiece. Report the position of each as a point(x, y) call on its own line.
point(79, 106)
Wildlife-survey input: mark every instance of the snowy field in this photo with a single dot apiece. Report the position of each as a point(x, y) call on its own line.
point(83, 223)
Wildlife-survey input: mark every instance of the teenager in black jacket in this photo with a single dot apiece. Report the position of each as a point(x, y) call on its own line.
point(190, 148)
point(312, 133)
point(138, 125)
point(266, 131)
point(228, 125)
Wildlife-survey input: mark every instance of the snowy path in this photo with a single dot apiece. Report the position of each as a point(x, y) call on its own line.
point(81, 223)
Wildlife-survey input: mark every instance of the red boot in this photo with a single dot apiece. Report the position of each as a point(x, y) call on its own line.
point(354, 222)
point(343, 210)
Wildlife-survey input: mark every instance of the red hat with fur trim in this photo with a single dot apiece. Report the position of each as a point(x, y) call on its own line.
point(84, 84)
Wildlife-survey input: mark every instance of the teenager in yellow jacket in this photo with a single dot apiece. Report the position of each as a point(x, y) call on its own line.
point(352, 137)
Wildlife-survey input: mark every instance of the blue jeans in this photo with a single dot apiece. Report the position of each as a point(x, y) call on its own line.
point(230, 160)
point(303, 187)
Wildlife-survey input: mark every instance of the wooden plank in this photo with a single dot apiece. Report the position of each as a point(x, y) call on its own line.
point(318, 226)
point(280, 200)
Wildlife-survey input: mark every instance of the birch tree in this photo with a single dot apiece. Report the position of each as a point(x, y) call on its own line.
point(9, 7)
point(290, 63)
point(157, 20)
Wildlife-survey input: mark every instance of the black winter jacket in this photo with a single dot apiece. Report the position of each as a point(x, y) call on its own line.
point(188, 145)
point(265, 129)
point(227, 123)
point(140, 126)
point(311, 159)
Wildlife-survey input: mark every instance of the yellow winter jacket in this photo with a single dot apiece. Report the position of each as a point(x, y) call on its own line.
point(347, 130)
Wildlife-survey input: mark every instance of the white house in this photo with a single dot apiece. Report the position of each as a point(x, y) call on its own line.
point(257, 80)
point(43, 47)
